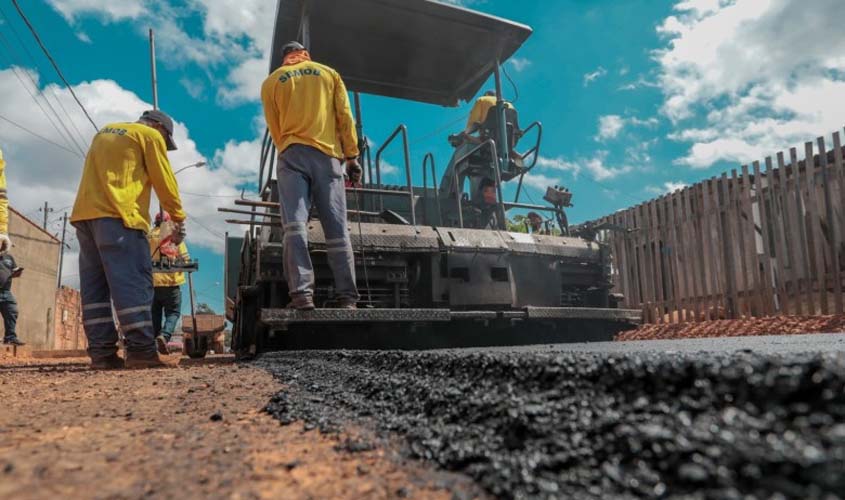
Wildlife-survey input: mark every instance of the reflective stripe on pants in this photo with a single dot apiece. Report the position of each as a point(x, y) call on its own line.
point(115, 268)
point(305, 175)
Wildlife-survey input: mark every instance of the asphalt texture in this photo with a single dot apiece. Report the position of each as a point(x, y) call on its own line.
point(759, 417)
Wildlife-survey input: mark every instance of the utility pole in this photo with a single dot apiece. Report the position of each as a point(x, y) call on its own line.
point(46, 211)
point(62, 251)
point(153, 68)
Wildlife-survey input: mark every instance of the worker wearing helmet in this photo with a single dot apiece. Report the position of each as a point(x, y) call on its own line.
point(480, 111)
point(112, 218)
point(167, 287)
point(309, 118)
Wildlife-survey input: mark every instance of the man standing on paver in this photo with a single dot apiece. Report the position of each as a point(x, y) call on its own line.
point(8, 268)
point(308, 114)
point(112, 218)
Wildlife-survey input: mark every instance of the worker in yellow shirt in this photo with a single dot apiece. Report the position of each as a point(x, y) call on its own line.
point(167, 287)
point(112, 218)
point(5, 242)
point(309, 118)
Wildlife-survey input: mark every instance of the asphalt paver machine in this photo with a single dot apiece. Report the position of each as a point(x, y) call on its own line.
point(434, 268)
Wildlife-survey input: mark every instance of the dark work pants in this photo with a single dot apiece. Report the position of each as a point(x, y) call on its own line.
point(115, 268)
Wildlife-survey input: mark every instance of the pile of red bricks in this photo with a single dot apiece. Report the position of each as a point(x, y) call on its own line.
point(777, 325)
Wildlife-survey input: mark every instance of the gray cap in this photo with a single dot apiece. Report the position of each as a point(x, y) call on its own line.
point(162, 119)
point(291, 47)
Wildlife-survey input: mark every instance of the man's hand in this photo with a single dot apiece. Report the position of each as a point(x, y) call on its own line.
point(179, 232)
point(354, 171)
point(5, 243)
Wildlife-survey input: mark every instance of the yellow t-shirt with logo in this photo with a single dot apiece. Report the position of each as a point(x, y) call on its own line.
point(306, 103)
point(125, 162)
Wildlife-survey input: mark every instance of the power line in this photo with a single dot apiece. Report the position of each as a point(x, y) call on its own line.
point(53, 62)
point(35, 65)
point(17, 70)
point(40, 136)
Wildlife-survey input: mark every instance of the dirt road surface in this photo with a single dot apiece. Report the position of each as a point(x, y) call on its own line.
point(195, 432)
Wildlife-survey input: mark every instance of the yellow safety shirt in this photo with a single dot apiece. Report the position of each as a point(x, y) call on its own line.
point(481, 108)
point(124, 162)
point(4, 198)
point(306, 103)
point(168, 250)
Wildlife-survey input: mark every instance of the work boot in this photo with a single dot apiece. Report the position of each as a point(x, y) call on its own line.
point(14, 341)
point(347, 304)
point(111, 362)
point(161, 345)
point(151, 360)
point(301, 303)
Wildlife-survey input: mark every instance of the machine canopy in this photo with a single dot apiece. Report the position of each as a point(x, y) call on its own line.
point(420, 50)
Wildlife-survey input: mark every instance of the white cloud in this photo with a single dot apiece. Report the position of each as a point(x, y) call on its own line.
point(38, 171)
point(747, 78)
point(560, 164)
point(540, 181)
point(609, 127)
point(234, 40)
point(600, 171)
point(519, 63)
point(596, 166)
point(593, 76)
point(666, 188)
point(109, 10)
point(194, 87)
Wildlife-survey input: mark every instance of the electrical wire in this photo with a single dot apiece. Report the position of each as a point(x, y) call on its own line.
point(41, 136)
point(515, 88)
point(53, 62)
point(26, 51)
point(17, 72)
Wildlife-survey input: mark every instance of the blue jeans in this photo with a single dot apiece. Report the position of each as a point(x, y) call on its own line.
point(9, 310)
point(167, 303)
point(115, 268)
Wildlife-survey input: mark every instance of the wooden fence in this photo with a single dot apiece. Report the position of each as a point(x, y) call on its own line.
point(764, 240)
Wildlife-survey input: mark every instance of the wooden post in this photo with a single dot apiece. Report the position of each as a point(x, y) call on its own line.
point(764, 230)
point(735, 196)
point(674, 250)
point(694, 247)
point(833, 230)
point(750, 230)
point(727, 238)
point(778, 235)
point(817, 240)
point(790, 236)
point(804, 232)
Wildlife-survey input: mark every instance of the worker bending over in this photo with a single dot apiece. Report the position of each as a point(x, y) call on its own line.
point(112, 218)
point(167, 287)
point(308, 114)
point(8, 268)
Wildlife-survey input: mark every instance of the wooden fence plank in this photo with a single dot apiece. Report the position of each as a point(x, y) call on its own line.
point(710, 246)
point(682, 256)
point(832, 230)
point(727, 238)
point(635, 299)
point(739, 227)
point(790, 238)
point(749, 228)
point(762, 209)
point(777, 218)
point(678, 295)
point(657, 261)
point(693, 253)
point(840, 181)
point(814, 227)
point(801, 220)
point(648, 277)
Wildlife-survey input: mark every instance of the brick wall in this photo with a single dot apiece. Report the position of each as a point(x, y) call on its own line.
point(68, 333)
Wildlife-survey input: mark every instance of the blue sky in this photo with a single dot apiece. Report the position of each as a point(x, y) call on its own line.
point(637, 97)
